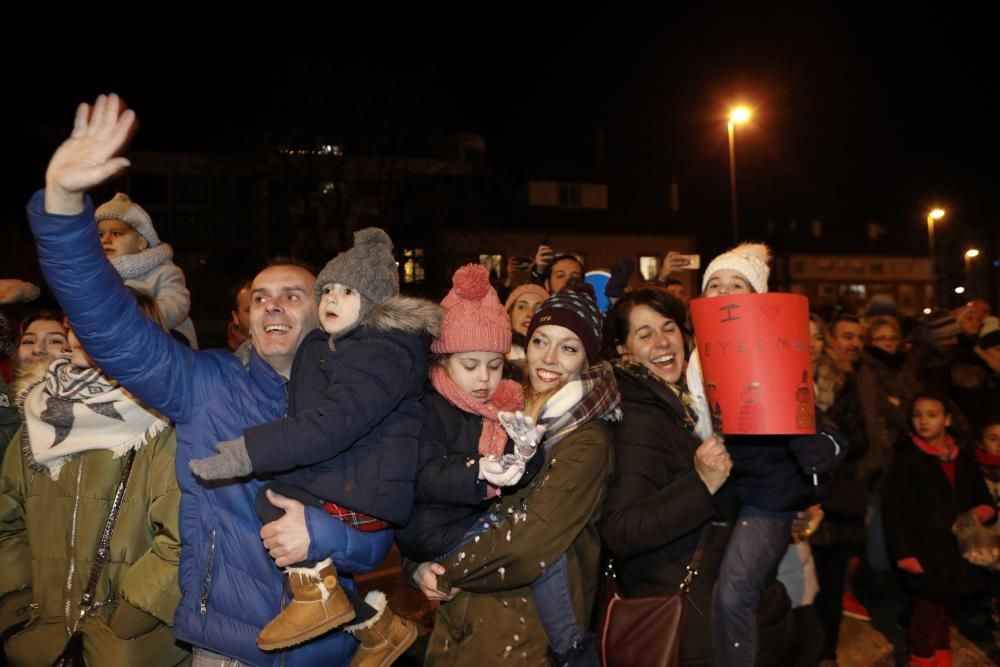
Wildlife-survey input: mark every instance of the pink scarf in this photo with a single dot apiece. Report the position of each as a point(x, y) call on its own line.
point(508, 396)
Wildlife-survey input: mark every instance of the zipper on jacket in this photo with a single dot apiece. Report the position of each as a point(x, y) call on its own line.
point(206, 581)
point(72, 548)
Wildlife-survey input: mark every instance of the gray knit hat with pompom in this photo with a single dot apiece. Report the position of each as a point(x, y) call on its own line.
point(368, 267)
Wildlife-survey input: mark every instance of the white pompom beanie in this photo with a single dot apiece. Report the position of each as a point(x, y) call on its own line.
point(750, 260)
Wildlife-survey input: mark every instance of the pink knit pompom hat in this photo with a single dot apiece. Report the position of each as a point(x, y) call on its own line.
point(474, 319)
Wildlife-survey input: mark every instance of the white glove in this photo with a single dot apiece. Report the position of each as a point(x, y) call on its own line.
point(523, 432)
point(494, 472)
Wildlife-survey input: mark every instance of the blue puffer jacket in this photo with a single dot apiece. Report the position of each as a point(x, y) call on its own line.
point(356, 414)
point(230, 587)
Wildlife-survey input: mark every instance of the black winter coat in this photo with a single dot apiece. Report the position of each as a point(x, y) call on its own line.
point(449, 494)
point(919, 506)
point(355, 412)
point(657, 506)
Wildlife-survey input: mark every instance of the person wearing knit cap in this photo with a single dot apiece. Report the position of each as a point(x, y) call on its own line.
point(574, 308)
point(133, 247)
point(774, 478)
point(743, 269)
point(521, 306)
point(475, 334)
point(350, 442)
point(535, 554)
point(942, 329)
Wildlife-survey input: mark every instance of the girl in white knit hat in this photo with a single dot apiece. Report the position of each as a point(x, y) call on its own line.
point(774, 475)
point(131, 243)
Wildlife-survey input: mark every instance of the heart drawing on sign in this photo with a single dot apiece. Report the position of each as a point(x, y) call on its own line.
point(770, 311)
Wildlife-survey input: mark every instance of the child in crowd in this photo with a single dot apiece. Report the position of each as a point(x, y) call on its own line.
point(350, 442)
point(131, 243)
point(930, 482)
point(774, 478)
point(463, 444)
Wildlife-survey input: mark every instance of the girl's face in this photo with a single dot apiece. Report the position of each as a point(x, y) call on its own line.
point(816, 342)
point(42, 339)
point(727, 281)
point(522, 311)
point(656, 342)
point(930, 419)
point(554, 356)
point(476, 373)
point(78, 356)
point(991, 439)
point(119, 239)
point(339, 307)
point(885, 338)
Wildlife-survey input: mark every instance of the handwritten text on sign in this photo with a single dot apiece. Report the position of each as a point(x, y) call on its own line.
point(754, 351)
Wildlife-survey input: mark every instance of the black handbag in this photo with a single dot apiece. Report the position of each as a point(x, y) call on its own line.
point(647, 631)
point(72, 653)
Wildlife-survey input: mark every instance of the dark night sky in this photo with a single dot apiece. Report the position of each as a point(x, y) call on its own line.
point(859, 116)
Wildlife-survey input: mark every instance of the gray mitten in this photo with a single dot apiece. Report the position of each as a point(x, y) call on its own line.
point(231, 461)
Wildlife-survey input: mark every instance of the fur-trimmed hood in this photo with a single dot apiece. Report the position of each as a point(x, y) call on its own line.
point(407, 314)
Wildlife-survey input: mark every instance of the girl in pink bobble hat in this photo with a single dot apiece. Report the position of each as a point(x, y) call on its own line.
point(467, 456)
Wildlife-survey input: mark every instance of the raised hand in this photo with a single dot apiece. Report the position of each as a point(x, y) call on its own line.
point(543, 257)
point(13, 290)
point(523, 431)
point(90, 155)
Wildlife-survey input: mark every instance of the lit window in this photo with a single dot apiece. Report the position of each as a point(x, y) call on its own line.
point(649, 266)
point(493, 264)
point(413, 266)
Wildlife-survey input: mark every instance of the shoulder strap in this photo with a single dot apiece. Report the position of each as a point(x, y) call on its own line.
point(109, 528)
point(692, 567)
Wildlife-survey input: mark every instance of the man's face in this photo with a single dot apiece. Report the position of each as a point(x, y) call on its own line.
point(282, 312)
point(970, 321)
point(241, 316)
point(679, 292)
point(847, 339)
point(563, 271)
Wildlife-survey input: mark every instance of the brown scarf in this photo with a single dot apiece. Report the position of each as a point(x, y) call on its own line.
point(594, 395)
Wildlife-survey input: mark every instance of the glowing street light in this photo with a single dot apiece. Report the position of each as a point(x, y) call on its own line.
point(932, 215)
point(959, 290)
point(737, 116)
point(970, 254)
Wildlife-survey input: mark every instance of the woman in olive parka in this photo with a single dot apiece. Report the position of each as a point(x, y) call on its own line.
point(57, 483)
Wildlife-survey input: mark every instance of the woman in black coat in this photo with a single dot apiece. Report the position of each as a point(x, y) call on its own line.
point(670, 487)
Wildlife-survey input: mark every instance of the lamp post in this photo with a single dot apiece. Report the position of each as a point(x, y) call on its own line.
point(737, 116)
point(932, 215)
point(970, 254)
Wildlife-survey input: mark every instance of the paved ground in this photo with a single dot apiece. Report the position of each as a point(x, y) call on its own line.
point(880, 643)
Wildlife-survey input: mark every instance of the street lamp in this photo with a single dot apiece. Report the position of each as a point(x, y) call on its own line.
point(932, 215)
point(737, 116)
point(970, 254)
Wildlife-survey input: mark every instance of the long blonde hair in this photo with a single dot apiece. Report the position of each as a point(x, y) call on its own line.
point(534, 402)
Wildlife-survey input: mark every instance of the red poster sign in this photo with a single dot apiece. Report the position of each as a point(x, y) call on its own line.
point(754, 351)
